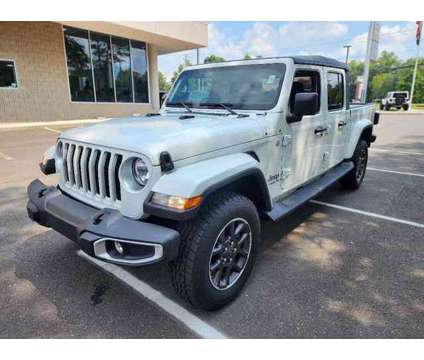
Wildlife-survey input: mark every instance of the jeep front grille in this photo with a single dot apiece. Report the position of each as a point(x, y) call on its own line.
point(92, 171)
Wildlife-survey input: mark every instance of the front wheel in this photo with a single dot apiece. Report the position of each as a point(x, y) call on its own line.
point(218, 251)
point(405, 107)
point(353, 179)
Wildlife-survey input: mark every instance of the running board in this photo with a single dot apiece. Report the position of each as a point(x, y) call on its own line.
point(307, 192)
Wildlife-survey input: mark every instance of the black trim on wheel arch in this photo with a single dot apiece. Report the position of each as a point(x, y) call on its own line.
point(178, 215)
point(367, 135)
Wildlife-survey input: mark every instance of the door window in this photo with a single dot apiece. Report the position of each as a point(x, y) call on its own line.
point(335, 91)
point(305, 81)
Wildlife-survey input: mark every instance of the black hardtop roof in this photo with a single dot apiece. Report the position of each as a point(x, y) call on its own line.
point(306, 60)
point(318, 60)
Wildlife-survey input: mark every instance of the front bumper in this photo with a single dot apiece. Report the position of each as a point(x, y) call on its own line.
point(96, 231)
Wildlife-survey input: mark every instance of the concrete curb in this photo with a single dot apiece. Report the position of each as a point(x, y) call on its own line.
point(9, 126)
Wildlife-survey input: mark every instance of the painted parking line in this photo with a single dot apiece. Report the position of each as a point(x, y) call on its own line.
point(366, 213)
point(52, 130)
point(395, 151)
point(190, 320)
point(5, 157)
point(395, 172)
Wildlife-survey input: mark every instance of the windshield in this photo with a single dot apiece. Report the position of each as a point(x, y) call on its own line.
point(243, 87)
point(400, 94)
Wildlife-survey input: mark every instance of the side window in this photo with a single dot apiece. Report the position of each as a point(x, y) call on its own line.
point(335, 91)
point(7, 74)
point(305, 81)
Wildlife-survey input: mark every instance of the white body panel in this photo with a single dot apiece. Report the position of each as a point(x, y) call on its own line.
point(212, 146)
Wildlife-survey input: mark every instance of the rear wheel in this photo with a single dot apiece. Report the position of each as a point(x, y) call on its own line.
point(405, 107)
point(354, 178)
point(218, 251)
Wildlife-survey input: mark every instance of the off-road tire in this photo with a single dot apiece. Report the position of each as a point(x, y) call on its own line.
point(405, 107)
point(387, 108)
point(190, 270)
point(381, 106)
point(353, 179)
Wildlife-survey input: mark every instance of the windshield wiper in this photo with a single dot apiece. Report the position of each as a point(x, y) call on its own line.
point(224, 106)
point(186, 106)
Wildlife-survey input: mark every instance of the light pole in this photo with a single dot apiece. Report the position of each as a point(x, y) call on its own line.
point(347, 47)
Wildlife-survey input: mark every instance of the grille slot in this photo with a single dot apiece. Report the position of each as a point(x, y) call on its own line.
point(92, 171)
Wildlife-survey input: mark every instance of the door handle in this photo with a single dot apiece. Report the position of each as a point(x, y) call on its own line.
point(320, 131)
point(341, 124)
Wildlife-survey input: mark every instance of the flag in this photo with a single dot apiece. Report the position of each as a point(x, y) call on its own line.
point(418, 34)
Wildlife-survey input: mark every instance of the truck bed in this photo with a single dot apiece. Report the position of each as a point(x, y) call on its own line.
point(362, 111)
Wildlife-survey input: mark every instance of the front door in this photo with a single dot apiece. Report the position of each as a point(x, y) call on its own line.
point(305, 141)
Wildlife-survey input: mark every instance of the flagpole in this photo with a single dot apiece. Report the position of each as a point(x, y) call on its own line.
point(414, 76)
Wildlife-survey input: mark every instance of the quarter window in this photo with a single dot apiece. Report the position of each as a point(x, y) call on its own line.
point(335, 91)
point(7, 74)
point(105, 68)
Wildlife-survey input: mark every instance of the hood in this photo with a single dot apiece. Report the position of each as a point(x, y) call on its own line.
point(182, 138)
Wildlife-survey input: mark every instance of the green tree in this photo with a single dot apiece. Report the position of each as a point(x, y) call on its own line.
point(382, 78)
point(405, 79)
point(164, 85)
point(389, 73)
point(180, 68)
point(247, 57)
point(213, 59)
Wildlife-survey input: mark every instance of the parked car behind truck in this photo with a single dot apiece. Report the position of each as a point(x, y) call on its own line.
point(234, 142)
point(395, 99)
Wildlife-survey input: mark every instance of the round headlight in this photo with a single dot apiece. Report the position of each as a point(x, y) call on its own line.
point(140, 171)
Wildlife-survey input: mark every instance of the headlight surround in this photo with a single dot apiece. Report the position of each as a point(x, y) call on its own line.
point(140, 171)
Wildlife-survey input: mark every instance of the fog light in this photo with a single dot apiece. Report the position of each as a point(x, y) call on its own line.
point(118, 247)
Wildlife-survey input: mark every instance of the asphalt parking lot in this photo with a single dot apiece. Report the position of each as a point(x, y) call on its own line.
point(350, 265)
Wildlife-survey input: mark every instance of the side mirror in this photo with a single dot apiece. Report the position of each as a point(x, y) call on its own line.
point(306, 104)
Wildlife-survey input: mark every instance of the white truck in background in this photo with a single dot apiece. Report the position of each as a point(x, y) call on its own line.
point(234, 142)
point(395, 99)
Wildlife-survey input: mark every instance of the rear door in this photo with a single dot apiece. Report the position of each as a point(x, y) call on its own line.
point(338, 117)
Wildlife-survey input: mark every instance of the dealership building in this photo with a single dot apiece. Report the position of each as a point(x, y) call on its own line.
point(80, 70)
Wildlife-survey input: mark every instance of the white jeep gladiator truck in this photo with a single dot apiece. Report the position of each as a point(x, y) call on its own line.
point(395, 99)
point(234, 142)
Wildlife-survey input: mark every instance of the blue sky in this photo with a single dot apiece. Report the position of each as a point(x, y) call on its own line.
point(233, 39)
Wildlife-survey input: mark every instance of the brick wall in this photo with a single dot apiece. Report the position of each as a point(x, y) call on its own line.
point(42, 93)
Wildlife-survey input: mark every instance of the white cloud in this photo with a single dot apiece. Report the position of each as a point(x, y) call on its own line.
point(266, 39)
point(291, 38)
point(397, 38)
